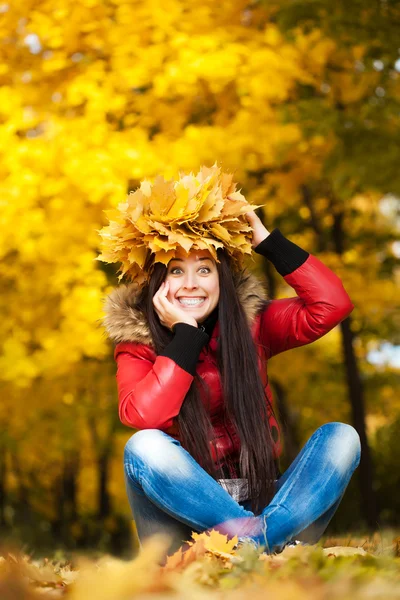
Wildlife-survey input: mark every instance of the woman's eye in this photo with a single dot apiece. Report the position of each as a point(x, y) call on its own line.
point(203, 269)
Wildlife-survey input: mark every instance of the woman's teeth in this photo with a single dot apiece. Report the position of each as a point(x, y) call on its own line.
point(191, 301)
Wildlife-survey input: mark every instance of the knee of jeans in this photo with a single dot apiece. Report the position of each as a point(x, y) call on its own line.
point(343, 445)
point(157, 450)
point(143, 442)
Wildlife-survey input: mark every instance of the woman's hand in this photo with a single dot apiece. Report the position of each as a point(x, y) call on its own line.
point(259, 231)
point(168, 313)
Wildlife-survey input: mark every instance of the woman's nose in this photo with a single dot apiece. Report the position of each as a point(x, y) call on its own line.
point(190, 281)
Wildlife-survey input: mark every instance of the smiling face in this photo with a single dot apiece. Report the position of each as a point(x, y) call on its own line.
point(193, 283)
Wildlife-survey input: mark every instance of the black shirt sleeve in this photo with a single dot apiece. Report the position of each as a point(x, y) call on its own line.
point(186, 345)
point(286, 256)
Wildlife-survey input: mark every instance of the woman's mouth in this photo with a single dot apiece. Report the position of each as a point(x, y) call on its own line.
point(191, 302)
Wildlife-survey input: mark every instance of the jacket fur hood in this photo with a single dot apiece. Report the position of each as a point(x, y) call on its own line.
point(124, 322)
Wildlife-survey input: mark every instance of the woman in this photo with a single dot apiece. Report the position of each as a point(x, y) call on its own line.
point(192, 345)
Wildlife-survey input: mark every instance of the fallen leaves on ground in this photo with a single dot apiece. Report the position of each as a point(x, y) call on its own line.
point(213, 566)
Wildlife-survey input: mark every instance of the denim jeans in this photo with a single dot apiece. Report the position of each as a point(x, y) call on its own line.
point(169, 492)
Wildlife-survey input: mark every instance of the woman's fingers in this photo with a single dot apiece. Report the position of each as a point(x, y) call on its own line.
point(167, 312)
point(160, 291)
point(164, 288)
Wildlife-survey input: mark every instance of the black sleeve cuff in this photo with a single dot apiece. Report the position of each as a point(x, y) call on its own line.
point(186, 346)
point(286, 256)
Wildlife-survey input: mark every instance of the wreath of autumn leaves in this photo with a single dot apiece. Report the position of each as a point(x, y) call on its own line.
point(202, 212)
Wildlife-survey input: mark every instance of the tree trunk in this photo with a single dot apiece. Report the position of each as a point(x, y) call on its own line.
point(103, 449)
point(66, 497)
point(356, 394)
point(22, 505)
point(70, 486)
point(3, 487)
point(104, 502)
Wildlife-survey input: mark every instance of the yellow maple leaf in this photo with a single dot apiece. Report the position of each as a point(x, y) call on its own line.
point(174, 561)
point(164, 256)
point(142, 225)
point(212, 206)
point(220, 232)
point(162, 198)
point(216, 542)
point(180, 202)
point(176, 237)
point(182, 558)
point(138, 255)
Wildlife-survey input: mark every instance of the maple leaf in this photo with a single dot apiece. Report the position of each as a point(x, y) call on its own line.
point(216, 542)
point(181, 559)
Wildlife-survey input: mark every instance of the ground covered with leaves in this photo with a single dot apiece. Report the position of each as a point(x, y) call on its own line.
point(210, 566)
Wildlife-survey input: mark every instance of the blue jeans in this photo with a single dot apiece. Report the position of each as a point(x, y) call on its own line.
point(169, 492)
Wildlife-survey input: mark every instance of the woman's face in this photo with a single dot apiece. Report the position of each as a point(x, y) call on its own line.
point(193, 283)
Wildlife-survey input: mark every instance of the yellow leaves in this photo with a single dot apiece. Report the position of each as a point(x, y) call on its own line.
point(350, 87)
point(182, 558)
point(197, 211)
point(216, 542)
point(303, 572)
point(15, 363)
point(220, 232)
point(162, 200)
point(165, 256)
point(272, 36)
point(10, 102)
point(181, 201)
point(344, 551)
point(212, 206)
point(58, 61)
point(203, 546)
point(27, 575)
point(138, 255)
point(113, 579)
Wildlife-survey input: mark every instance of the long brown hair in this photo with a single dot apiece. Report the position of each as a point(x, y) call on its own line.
point(244, 395)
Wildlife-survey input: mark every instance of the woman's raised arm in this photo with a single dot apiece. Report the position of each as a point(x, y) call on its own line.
point(321, 302)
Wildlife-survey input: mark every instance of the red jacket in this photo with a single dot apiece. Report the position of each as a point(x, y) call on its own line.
point(151, 388)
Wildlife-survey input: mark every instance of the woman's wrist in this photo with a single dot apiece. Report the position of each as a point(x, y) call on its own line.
point(186, 345)
point(192, 324)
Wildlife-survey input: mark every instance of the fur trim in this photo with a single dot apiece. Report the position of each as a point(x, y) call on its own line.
point(124, 322)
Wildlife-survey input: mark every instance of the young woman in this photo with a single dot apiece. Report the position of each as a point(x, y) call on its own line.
point(192, 347)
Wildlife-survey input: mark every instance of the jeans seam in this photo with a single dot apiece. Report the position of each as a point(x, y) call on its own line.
point(128, 468)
